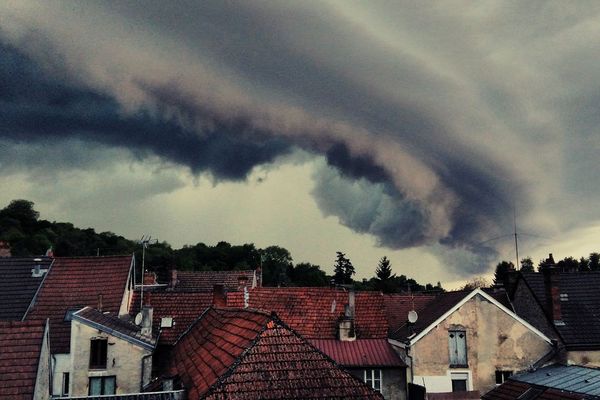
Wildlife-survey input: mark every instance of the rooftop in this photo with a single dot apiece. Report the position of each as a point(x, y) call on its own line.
point(18, 286)
point(314, 312)
point(73, 283)
point(360, 352)
point(397, 307)
point(20, 349)
point(245, 354)
point(204, 281)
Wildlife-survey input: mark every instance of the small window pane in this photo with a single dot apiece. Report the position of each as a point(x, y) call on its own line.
point(459, 385)
point(109, 385)
point(95, 386)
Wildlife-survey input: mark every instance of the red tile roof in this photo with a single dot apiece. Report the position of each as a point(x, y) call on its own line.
point(183, 307)
point(77, 282)
point(206, 280)
point(314, 312)
point(18, 286)
point(397, 307)
point(248, 354)
point(20, 349)
point(360, 352)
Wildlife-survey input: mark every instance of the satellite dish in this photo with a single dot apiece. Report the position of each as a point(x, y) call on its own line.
point(412, 316)
point(138, 318)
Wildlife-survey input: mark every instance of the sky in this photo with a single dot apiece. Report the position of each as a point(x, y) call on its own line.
point(416, 130)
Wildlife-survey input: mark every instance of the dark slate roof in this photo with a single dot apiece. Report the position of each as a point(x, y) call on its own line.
point(581, 313)
point(248, 354)
point(75, 283)
point(183, 307)
point(440, 305)
point(17, 286)
point(20, 349)
point(360, 352)
point(551, 382)
point(314, 312)
point(205, 281)
point(170, 395)
point(112, 324)
point(397, 307)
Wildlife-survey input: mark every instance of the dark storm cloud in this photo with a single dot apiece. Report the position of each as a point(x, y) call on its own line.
point(434, 119)
point(37, 108)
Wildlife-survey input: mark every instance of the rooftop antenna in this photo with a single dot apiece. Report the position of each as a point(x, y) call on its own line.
point(144, 241)
point(516, 235)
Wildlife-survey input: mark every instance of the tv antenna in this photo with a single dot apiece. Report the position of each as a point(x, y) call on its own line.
point(145, 241)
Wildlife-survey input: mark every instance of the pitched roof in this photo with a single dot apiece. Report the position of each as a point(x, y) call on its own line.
point(360, 352)
point(183, 307)
point(112, 324)
point(247, 354)
point(551, 382)
point(580, 312)
point(77, 282)
point(314, 312)
point(18, 286)
point(20, 350)
point(446, 303)
point(205, 281)
point(397, 307)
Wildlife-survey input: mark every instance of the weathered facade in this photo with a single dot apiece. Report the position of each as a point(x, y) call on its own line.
point(472, 345)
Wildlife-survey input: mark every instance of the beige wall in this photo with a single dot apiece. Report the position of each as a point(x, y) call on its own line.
point(124, 360)
point(584, 358)
point(60, 363)
point(42, 383)
point(495, 341)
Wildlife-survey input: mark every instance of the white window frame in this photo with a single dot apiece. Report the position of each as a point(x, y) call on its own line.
point(373, 375)
point(460, 376)
point(66, 378)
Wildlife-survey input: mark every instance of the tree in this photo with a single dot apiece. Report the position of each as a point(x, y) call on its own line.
point(594, 261)
point(276, 266)
point(584, 264)
point(502, 270)
point(568, 264)
point(527, 265)
point(384, 276)
point(343, 269)
point(476, 282)
point(306, 274)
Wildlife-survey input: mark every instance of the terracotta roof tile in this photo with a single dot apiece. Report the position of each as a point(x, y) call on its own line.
point(360, 352)
point(204, 281)
point(20, 347)
point(17, 286)
point(397, 307)
point(314, 312)
point(77, 282)
point(183, 307)
point(248, 354)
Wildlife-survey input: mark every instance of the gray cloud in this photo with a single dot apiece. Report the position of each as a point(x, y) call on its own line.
point(437, 117)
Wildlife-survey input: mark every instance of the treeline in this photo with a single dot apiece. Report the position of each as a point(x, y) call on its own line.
point(28, 235)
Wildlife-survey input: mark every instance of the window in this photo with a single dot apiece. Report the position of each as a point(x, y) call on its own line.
point(65, 384)
point(98, 353)
point(102, 385)
point(502, 376)
point(166, 322)
point(457, 344)
point(459, 381)
point(373, 378)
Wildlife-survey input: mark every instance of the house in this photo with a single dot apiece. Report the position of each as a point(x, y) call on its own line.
point(110, 355)
point(568, 382)
point(242, 353)
point(565, 306)
point(468, 340)
point(20, 279)
point(71, 284)
point(24, 360)
point(204, 281)
point(350, 327)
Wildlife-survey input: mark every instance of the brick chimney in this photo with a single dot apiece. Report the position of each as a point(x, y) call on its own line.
point(149, 278)
point(552, 291)
point(5, 249)
point(173, 279)
point(219, 296)
point(147, 313)
point(242, 283)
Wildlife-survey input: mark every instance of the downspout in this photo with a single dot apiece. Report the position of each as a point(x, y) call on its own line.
point(412, 375)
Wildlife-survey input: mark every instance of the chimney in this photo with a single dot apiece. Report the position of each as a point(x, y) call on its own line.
point(37, 271)
point(242, 282)
point(99, 308)
point(346, 330)
point(552, 291)
point(149, 278)
point(219, 296)
point(173, 280)
point(5, 249)
point(258, 277)
point(147, 321)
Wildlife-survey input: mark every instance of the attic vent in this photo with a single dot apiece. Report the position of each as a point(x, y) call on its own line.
point(564, 297)
point(166, 322)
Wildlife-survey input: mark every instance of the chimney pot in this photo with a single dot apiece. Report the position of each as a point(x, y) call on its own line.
point(219, 296)
point(173, 281)
point(552, 288)
point(99, 302)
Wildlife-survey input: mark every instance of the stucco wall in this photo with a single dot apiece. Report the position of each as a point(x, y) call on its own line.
point(42, 383)
point(393, 382)
point(60, 363)
point(124, 360)
point(495, 341)
point(585, 358)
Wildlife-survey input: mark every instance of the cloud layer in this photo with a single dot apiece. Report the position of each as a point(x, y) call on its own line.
point(435, 119)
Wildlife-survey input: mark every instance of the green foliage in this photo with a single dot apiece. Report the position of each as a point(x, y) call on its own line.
point(306, 274)
point(502, 270)
point(276, 266)
point(594, 262)
point(527, 265)
point(343, 269)
point(385, 281)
